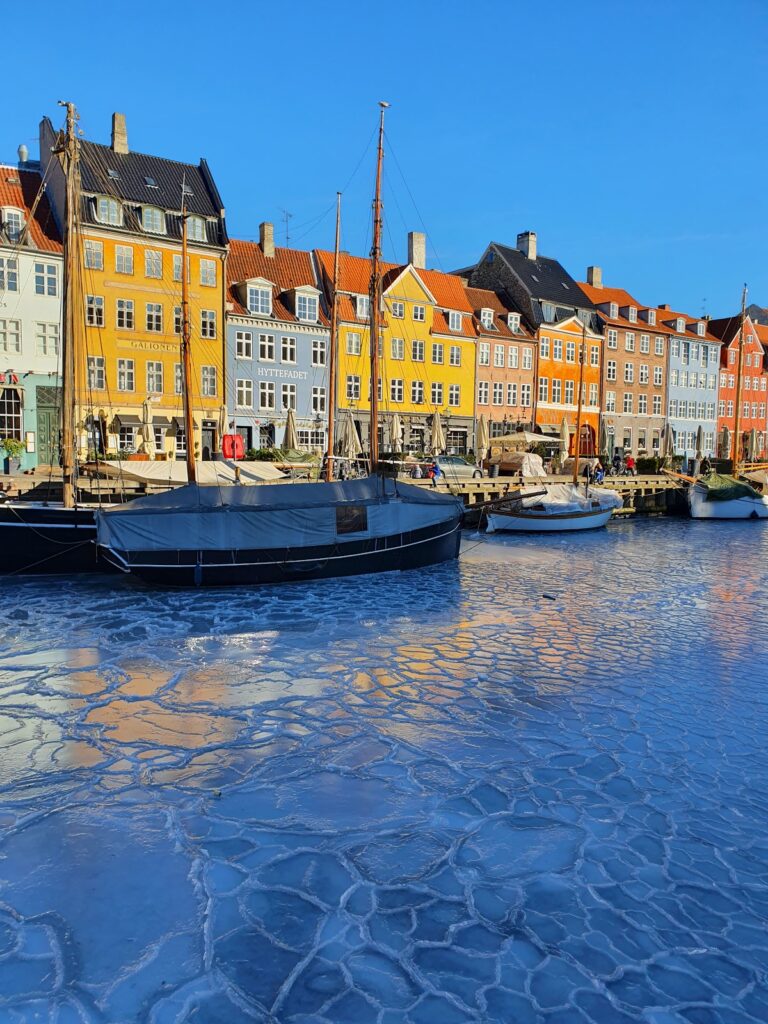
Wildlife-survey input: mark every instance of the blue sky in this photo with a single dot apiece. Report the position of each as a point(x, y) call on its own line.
point(630, 135)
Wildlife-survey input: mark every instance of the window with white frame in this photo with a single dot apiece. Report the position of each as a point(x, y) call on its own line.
point(643, 374)
point(126, 375)
point(45, 279)
point(153, 220)
point(513, 322)
point(397, 348)
point(613, 310)
point(527, 358)
point(109, 211)
point(652, 317)
point(437, 393)
point(209, 382)
point(498, 355)
point(244, 393)
point(701, 329)
point(398, 310)
point(657, 376)
point(570, 351)
point(94, 254)
point(657, 405)
point(244, 344)
point(266, 394)
point(642, 404)
point(46, 339)
point(207, 323)
point(645, 344)
point(196, 229)
point(454, 355)
point(610, 369)
point(354, 343)
point(484, 353)
point(594, 355)
point(208, 273)
point(177, 267)
point(417, 392)
point(570, 388)
point(512, 393)
point(180, 443)
point(259, 300)
point(674, 349)
point(437, 353)
point(613, 338)
point(498, 393)
point(94, 310)
point(486, 318)
point(267, 347)
point(543, 389)
point(97, 374)
point(454, 394)
point(680, 325)
point(525, 396)
point(287, 350)
point(178, 379)
point(9, 274)
point(318, 399)
point(306, 307)
point(288, 396)
point(154, 317)
point(419, 314)
point(629, 373)
point(593, 394)
point(483, 392)
point(353, 388)
point(126, 438)
point(658, 346)
point(123, 259)
point(632, 314)
point(362, 307)
point(513, 355)
point(629, 399)
point(557, 391)
point(544, 348)
point(319, 351)
point(548, 311)
point(153, 263)
point(396, 390)
point(154, 377)
point(454, 320)
point(417, 351)
point(629, 341)
point(610, 401)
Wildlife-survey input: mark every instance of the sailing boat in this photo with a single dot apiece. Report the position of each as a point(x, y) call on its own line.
point(717, 496)
point(57, 537)
point(562, 507)
point(223, 535)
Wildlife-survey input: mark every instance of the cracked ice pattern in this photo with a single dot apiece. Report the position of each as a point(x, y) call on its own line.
point(420, 799)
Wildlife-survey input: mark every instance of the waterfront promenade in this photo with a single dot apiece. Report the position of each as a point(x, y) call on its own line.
point(525, 787)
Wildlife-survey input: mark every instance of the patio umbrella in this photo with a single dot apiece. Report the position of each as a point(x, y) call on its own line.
point(223, 423)
point(604, 445)
point(437, 437)
point(752, 446)
point(291, 437)
point(482, 438)
point(668, 450)
point(146, 431)
point(349, 441)
point(396, 433)
point(725, 444)
point(565, 437)
point(700, 443)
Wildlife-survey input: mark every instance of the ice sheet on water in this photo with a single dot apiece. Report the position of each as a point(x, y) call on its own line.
point(401, 799)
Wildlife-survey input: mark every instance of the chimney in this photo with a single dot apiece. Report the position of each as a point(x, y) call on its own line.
point(595, 276)
point(663, 305)
point(119, 134)
point(526, 243)
point(417, 249)
point(267, 238)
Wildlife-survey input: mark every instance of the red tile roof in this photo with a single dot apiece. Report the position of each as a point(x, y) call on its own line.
point(287, 269)
point(440, 325)
point(483, 298)
point(19, 189)
point(604, 296)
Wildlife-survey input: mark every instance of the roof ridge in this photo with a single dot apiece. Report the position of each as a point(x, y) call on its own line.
point(146, 156)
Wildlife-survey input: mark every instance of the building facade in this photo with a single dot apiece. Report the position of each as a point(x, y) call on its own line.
point(634, 372)
point(426, 349)
point(505, 351)
point(754, 384)
point(692, 390)
point(277, 344)
point(30, 317)
point(128, 370)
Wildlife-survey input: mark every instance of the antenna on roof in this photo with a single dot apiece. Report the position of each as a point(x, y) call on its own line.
point(286, 217)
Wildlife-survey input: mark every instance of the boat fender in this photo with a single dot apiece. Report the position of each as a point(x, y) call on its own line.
point(549, 597)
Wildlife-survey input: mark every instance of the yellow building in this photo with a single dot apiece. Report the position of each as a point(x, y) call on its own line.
point(427, 349)
point(128, 374)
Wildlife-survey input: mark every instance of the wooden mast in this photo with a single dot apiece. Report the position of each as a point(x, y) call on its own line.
point(333, 345)
point(186, 355)
point(70, 150)
point(375, 295)
point(577, 440)
point(737, 423)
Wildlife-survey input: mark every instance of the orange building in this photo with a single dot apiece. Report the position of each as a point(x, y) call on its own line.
point(562, 347)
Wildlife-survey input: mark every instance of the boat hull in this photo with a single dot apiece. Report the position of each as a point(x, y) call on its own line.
point(47, 540)
point(531, 521)
point(739, 508)
point(419, 548)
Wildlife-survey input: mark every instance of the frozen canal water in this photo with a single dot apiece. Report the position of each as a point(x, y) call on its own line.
point(530, 787)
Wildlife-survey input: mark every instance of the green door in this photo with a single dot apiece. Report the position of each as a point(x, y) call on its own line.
point(48, 426)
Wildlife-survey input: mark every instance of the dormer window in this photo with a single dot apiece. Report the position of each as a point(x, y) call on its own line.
point(613, 310)
point(680, 325)
point(13, 223)
point(362, 307)
point(306, 307)
point(109, 211)
point(652, 317)
point(153, 220)
point(486, 318)
point(633, 314)
point(513, 322)
point(259, 300)
point(196, 229)
point(701, 328)
point(548, 312)
point(454, 320)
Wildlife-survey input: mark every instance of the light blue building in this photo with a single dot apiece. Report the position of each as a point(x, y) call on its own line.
point(692, 382)
point(277, 341)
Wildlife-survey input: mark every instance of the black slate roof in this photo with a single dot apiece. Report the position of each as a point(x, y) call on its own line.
point(545, 279)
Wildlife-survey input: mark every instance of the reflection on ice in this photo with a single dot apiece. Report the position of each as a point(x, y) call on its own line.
point(413, 799)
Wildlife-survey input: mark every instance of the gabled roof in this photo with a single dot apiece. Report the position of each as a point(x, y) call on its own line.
point(761, 330)
point(669, 317)
point(287, 269)
point(484, 298)
point(604, 296)
point(543, 278)
point(726, 329)
point(19, 188)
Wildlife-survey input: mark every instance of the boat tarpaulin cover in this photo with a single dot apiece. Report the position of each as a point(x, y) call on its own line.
point(226, 518)
point(726, 488)
point(572, 498)
point(157, 472)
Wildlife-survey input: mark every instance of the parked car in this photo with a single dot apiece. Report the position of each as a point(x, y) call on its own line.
point(456, 467)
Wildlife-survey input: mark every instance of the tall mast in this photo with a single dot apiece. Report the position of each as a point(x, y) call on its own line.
point(70, 150)
point(186, 355)
point(577, 440)
point(333, 344)
point(737, 423)
point(375, 295)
